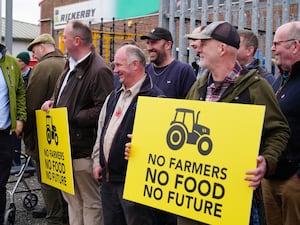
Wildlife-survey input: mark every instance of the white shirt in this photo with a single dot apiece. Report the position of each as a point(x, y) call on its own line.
point(72, 65)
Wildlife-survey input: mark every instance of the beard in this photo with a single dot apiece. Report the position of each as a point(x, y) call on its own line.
point(158, 59)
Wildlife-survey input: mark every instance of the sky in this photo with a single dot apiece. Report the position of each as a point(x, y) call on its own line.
point(24, 10)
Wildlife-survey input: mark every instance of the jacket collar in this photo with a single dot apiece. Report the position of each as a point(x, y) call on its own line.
point(254, 64)
point(295, 69)
point(245, 77)
point(146, 85)
point(83, 66)
point(55, 53)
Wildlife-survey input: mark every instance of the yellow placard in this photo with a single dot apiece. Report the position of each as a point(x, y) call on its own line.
point(54, 149)
point(190, 158)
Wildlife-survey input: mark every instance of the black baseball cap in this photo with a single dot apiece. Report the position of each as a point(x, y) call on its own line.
point(221, 31)
point(158, 33)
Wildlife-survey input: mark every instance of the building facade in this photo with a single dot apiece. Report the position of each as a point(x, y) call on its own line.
point(180, 17)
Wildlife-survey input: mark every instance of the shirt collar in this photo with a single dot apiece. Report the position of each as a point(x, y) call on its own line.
point(73, 62)
point(135, 88)
point(231, 76)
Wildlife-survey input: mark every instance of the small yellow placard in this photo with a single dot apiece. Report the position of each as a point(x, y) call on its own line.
point(54, 149)
point(190, 158)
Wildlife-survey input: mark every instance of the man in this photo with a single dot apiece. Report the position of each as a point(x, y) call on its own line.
point(82, 88)
point(226, 81)
point(194, 44)
point(40, 88)
point(13, 116)
point(173, 77)
point(246, 53)
point(23, 59)
point(119, 111)
point(281, 191)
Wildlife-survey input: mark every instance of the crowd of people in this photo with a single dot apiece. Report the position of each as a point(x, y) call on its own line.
point(101, 104)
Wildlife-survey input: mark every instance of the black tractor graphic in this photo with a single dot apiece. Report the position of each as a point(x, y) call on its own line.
point(51, 132)
point(186, 129)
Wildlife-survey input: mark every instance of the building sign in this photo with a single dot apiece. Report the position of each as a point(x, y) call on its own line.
point(93, 11)
point(88, 11)
point(54, 149)
point(190, 158)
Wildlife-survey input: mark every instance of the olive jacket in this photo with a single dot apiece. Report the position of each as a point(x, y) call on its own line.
point(40, 88)
point(251, 88)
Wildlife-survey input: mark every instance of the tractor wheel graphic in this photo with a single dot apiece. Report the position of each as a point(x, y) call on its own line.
point(48, 134)
point(176, 137)
point(205, 145)
point(56, 138)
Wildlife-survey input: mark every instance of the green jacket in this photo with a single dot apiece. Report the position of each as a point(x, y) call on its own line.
point(251, 88)
point(13, 77)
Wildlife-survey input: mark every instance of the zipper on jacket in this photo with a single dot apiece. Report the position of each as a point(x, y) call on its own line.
point(8, 74)
point(282, 85)
point(106, 161)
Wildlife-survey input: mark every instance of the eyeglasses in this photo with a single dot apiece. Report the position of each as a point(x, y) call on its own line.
point(276, 43)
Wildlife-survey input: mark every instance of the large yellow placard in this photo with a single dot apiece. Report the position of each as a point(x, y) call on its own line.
point(190, 158)
point(54, 149)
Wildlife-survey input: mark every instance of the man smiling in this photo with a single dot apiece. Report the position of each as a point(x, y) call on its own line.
point(173, 77)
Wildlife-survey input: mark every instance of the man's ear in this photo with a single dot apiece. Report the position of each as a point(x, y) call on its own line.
point(169, 44)
point(250, 51)
point(78, 40)
point(296, 46)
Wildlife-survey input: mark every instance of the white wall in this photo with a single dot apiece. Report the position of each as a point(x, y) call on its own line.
point(19, 46)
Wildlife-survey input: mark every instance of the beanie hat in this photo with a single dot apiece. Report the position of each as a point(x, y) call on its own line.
point(24, 56)
point(221, 31)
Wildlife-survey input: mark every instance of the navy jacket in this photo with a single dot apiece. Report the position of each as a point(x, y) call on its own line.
point(262, 71)
point(115, 169)
point(287, 91)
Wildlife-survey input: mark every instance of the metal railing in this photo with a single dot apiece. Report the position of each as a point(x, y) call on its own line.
point(262, 17)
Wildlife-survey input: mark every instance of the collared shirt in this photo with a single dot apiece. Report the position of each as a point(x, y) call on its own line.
point(123, 103)
point(216, 89)
point(25, 73)
point(72, 65)
point(4, 104)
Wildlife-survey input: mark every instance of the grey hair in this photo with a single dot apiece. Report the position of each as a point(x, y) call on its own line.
point(134, 53)
point(294, 32)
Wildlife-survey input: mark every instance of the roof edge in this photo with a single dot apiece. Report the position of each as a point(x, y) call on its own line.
point(41, 2)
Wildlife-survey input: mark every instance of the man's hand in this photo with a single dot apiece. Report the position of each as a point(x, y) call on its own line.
point(255, 176)
point(47, 105)
point(127, 148)
point(19, 128)
point(97, 172)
